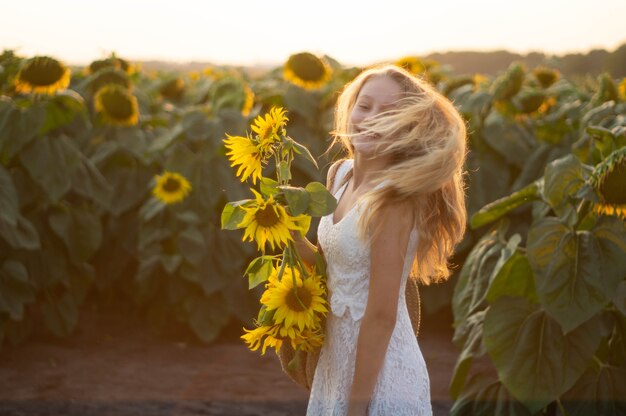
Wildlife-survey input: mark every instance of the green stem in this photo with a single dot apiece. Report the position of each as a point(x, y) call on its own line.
point(293, 275)
point(581, 212)
point(561, 408)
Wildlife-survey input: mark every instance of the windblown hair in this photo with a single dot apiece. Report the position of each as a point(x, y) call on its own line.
point(425, 137)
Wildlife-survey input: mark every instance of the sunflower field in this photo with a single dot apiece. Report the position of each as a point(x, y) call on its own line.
point(113, 179)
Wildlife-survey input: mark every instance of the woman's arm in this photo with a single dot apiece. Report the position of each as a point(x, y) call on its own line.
point(306, 250)
point(388, 248)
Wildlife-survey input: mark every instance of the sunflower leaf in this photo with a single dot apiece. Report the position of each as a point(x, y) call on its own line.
point(9, 204)
point(298, 199)
point(232, 215)
point(322, 202)
point(269, 187)
point(285, 173)
point(496, 209)
point(259, 270)
point(526, 343)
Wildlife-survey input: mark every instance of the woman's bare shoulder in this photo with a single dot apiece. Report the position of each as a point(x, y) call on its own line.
point(395, 219)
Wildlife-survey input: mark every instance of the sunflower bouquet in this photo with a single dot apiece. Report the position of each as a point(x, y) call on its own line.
point(293, 304)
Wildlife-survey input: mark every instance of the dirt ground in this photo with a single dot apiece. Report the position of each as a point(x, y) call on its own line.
point(116, 364)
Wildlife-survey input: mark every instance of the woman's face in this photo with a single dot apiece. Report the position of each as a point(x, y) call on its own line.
point(378, 94)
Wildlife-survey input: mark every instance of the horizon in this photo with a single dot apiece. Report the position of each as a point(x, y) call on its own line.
point(184, 32)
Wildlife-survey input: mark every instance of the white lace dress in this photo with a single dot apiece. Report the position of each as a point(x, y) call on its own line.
point(403, 387)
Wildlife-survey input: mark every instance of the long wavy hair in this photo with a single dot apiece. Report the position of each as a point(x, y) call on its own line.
point(425, 138)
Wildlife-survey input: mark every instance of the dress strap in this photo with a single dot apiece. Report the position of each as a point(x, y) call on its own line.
point(340, 174)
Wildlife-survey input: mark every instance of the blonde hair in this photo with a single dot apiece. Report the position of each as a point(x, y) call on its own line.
point(425, 137)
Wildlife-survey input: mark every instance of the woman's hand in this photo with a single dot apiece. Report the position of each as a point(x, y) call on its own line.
point(306, 250)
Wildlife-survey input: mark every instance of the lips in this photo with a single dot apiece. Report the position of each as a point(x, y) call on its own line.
point(369, 136)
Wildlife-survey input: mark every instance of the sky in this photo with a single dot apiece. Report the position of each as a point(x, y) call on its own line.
point(251, 32)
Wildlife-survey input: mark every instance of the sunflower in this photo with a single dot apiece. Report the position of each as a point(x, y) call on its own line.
point(244, 152)
point(480, 81)
point(267, 221)
point(254, 337)
point(42, 75)
point(171, 187)
point(248, 101)
point(609, 181)
point(307, 71)
point(109, 75)
point(295, 306)
point(173, 89)
point(509, 83)
point(546, 76)
point(270, 128)
point(117, 105)
point(275, 335)
point(622, 89)
point(112, 62)
point(412, 64)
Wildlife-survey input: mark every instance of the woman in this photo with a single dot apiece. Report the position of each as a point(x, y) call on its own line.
point(400, 211)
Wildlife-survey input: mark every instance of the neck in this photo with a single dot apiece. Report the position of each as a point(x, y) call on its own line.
point(365, 169)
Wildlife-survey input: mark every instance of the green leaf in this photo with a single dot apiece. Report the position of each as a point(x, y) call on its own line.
point(80, 230)
point(163, 141)
point(196, 124)
point(192, 245)
point(61, 109)
point(18, 127)
point(151, 208)
point(89, 182)
point(496, 209)
point(601, 392)
point(473, 282)
point(207, 316)
point(535, 360)
point(563, 178)
point(130, 184)
point(259, 270)
point(9, 204)
point(489, 177)
point(23, 235)
point(15, 289)
point(509, 139)
point(322, 202)
point(471, 331)
point(577, 272)
point(514, 278)
point(232, 215)
point(619, 300)
point(487, 397)
point(60, 315)
point(283, 169)
point(298, 199)
point(268, 186)
point(171, 262)
point(302, 101)
point(51, 163)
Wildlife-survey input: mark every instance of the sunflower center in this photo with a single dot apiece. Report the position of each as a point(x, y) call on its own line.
point(267, 216)
point(42, 71)
point(613, 187)
point(117, 105)
point(171, 185)
point(307, 66)
point(265, 132)
point(292, 301)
